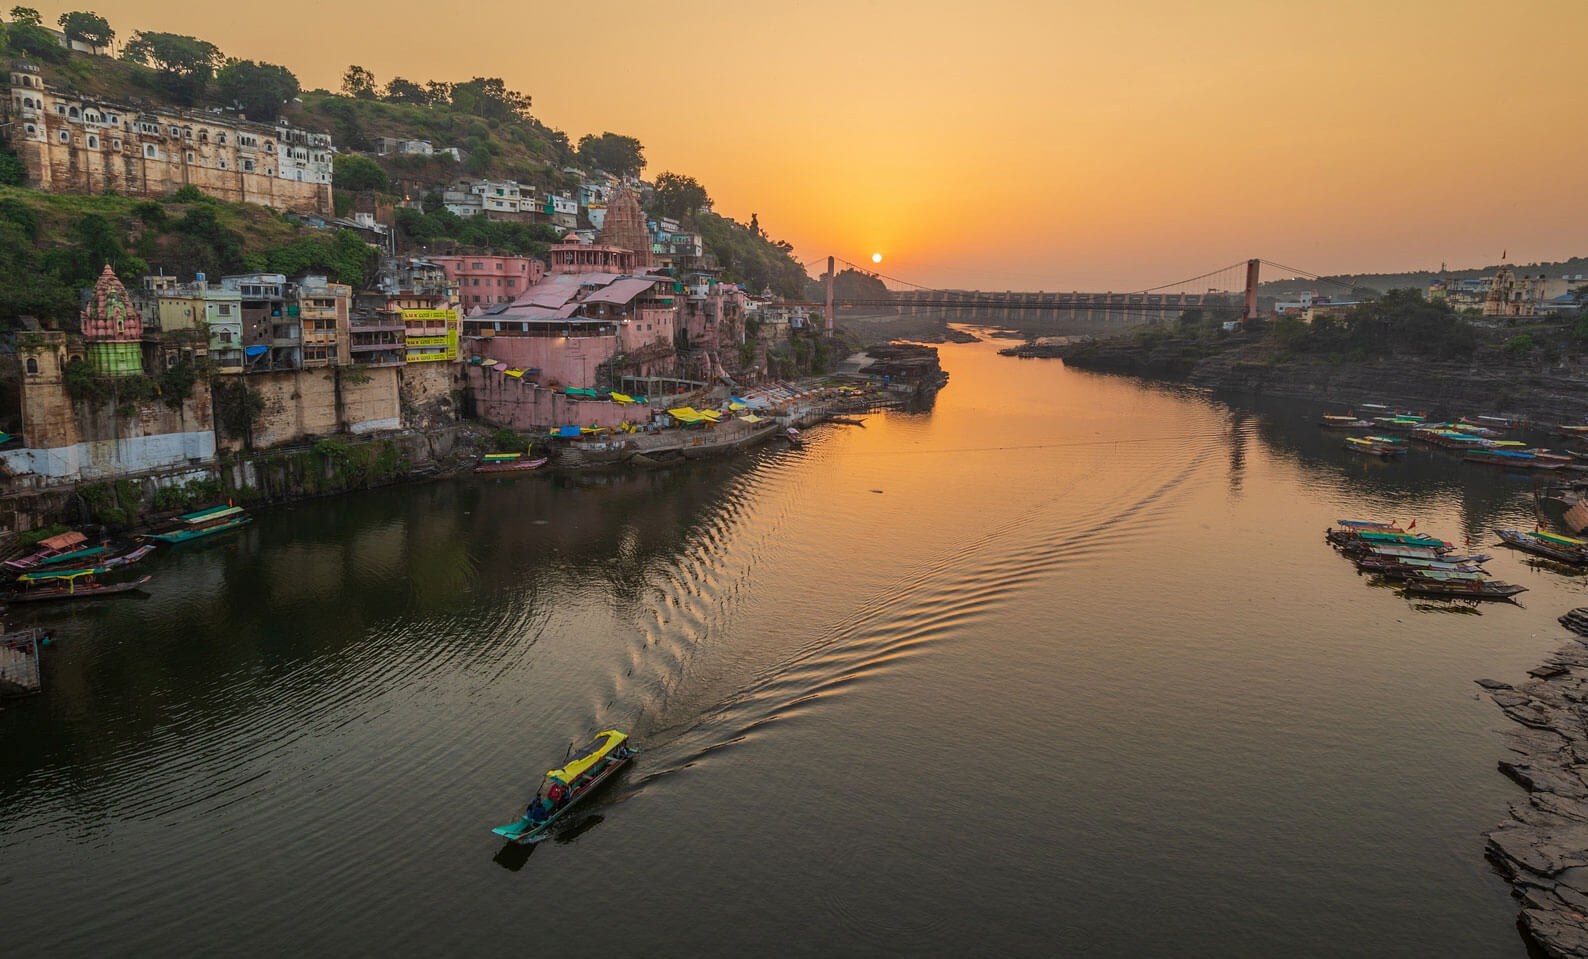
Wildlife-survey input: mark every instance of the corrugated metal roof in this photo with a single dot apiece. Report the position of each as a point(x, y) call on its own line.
point(621, 291)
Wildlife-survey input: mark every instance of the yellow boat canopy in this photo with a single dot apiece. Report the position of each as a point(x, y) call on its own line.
point(587, 756)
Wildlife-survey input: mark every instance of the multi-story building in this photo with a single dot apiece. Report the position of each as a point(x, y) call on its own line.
point(485, 280)
point(494, 199)
point(414, 298)
point(563, 210)
point(69, 143)
point(323, 311)
point(211, 312)
point(272, 338)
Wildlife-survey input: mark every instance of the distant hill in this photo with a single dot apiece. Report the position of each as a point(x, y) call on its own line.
point(491, 125)
point(1384, 282)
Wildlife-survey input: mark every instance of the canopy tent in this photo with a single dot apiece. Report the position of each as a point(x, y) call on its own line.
point(753, 418)
point(59, 574)
point(587, 756)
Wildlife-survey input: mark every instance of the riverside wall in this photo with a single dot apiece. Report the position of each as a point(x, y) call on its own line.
point(509, 401)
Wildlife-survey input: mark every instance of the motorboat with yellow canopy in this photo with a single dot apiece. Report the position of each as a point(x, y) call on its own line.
point(585, 768)
point(69, 584)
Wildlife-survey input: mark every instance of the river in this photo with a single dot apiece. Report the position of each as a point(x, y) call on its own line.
point(1060, 666)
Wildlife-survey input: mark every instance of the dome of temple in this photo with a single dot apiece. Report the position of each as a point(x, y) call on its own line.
point(625, 226)
point(109, 314)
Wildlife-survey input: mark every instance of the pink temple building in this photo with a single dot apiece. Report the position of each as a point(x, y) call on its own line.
point(486, 280)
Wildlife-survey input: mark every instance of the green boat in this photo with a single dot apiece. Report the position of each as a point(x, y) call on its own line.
point(75, 555)
point(584, 770)
point(204, 522)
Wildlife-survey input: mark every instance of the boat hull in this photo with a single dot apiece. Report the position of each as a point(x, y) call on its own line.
point(84, 592)
point(185, 535)
point(525, 832)
point(519, 467)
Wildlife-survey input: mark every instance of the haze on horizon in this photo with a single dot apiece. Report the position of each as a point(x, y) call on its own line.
point(1012, 144)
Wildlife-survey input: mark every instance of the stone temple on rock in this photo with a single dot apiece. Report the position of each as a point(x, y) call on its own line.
point(625, 227)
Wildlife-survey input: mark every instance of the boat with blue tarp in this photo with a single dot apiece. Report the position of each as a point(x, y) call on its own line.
point(583, 770)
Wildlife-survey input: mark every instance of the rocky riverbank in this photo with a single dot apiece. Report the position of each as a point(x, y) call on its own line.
point(1543, 849)
point(1542, 395)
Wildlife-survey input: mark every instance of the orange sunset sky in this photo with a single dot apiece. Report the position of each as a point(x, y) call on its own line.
point(1003, 144)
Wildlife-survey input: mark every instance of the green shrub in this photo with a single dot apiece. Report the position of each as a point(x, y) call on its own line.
point(32, 536)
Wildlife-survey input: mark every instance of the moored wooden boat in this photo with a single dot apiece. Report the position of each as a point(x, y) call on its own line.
point(1402, 423)
point(204, 522)
point(46, 549)
point(1564, 549)
point(1347, 422)
point(508, 463)
point(1494, 457)
point(1461, 589)
point(1361, 540)
point(1493, 422)
point(69, 584)
point(1374, 446)
point(583, 771)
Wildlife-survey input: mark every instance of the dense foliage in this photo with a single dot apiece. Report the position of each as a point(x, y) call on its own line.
point(678, 195)
point(259, 90)
point(618, 155)
point(183, 65)
point(1400, 323)
point(437, 226)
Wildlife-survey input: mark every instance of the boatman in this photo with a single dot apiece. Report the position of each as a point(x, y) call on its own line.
point(537, 810)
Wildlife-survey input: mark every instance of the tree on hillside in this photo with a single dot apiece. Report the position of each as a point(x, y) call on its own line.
point(350, 171)
point(680, 195)
point(183, 64)
point(617, 155)
point(257, 89)
point(358, 82)
point(490, 98)
point(26, 35)
point(399, 90)
point(440, 92)
point(85, 26)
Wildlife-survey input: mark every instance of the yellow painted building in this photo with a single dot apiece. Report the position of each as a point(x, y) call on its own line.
point(431, 336)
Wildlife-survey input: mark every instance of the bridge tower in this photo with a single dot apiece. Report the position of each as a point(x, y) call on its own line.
point(829, 316)
point(1251, 292)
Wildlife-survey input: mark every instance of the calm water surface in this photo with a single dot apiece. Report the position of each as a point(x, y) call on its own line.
point(1061, 666)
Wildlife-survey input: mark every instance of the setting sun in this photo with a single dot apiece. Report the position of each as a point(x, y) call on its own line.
point(876, 257)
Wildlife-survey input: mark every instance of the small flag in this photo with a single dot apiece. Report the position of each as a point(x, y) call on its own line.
point(1411, 527)
point(1469, 540)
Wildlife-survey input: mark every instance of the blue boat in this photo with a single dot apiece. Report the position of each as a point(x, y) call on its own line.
point(584, 770)
point(204, 522)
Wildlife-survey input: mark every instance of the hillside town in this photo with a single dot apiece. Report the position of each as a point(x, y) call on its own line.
point(166, 373)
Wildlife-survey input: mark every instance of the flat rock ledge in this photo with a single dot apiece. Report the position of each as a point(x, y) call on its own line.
point(1543, 849)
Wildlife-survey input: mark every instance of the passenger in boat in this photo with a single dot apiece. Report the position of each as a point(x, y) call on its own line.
point(556, 795)
point(537, 810)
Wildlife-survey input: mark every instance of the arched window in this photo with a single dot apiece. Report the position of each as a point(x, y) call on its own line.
point(72, 113)
point(93, 143)
point(33, 365)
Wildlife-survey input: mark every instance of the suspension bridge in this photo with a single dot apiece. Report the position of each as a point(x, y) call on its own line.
point(1230, 289)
